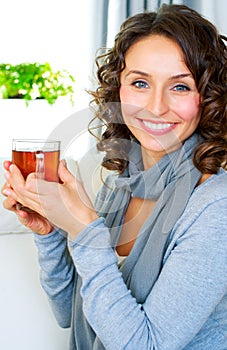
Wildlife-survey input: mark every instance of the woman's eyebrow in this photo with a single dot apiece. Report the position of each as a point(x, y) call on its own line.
point(174, 77)
point(138, 72)
point(181, 76)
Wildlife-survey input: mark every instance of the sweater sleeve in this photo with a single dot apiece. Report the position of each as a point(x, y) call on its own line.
point(57, 274)
point(190, 286)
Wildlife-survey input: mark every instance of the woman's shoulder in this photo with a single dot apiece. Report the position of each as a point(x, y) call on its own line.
point(211, 193)
point(213, 189)
point(205, 215)
point(210, 196)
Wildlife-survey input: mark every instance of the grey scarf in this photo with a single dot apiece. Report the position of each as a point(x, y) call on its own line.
point(170, 183)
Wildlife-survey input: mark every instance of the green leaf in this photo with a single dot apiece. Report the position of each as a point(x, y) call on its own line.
point(35, 81)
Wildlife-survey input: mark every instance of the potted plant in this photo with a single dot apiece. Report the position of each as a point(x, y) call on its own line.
point(34, 99)
point(31, 81)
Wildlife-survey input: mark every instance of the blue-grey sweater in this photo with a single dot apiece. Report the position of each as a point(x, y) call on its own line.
point(187, 306)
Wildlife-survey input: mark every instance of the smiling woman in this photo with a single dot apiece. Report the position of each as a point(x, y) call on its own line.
point(188, 82)
point(160, 100)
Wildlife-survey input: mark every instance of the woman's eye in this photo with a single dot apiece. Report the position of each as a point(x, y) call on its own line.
point(181, 87)
point(140, 84)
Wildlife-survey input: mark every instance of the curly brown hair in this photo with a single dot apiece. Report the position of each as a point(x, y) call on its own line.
point(205, 54)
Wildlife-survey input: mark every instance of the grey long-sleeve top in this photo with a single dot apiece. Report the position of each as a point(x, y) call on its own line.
point(186, 308)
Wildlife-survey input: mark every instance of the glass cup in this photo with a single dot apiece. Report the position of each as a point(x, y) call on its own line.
point(39, 156)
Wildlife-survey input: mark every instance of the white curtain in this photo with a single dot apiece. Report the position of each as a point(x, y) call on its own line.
point(119, 10)
point(112, 13)
point(214, 10)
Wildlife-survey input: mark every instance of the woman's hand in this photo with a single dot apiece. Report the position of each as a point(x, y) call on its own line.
point(65, 205)
point(32, 220)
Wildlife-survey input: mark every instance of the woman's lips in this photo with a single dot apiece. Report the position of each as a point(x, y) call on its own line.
point(157, 128)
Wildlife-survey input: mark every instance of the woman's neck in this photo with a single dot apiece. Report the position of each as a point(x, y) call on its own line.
point(150, 158)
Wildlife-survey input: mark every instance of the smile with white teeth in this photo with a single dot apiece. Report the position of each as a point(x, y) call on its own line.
point(158, 126)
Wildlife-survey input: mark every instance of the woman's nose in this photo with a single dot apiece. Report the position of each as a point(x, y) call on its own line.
point(157, 103)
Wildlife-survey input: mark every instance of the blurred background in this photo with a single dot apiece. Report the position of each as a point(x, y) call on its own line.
point(66, 34)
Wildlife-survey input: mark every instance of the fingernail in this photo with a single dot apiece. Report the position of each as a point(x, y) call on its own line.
point(6, 192)
point(64, 162)
point(11, 167)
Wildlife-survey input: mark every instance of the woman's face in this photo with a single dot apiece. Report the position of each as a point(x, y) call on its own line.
point(159, 99)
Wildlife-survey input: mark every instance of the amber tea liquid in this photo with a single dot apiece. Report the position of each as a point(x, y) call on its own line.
point(27, 162)
point(40, 156)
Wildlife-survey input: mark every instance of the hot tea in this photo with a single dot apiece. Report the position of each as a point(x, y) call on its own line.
point(27, 163)
point(38, 156)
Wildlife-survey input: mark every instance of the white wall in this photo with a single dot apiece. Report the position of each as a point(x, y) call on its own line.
point(26, 320)
point(62, 33)
point(58, 32)
point(48, 30)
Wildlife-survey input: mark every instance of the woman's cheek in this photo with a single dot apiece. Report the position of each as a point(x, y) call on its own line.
point(127, 102)
point(189, 109)
point(129, 96)
point(125, 95)
point(131, 102)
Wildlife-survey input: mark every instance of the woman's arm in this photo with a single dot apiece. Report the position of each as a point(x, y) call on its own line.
point(57, 268)
point(188, 289)
point(57, 274)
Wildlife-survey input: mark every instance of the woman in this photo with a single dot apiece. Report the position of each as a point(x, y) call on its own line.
point(162, 98)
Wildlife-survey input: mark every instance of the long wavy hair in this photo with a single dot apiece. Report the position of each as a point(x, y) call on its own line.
point(205, 55)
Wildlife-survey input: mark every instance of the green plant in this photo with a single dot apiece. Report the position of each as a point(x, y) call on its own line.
point(31, 81)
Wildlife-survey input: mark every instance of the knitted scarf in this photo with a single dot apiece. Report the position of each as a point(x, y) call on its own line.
point(170, 183)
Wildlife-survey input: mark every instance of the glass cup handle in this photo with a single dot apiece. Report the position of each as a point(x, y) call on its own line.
point(40, 167)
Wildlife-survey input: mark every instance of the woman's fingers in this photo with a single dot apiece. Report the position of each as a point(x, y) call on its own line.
point(64, 174)
point(7, 164)
point(5, 187)
point(35, 222)
point(21, 191)
point(16, 189)
point(14, 177)
point(65, 204)
point(9, 204)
